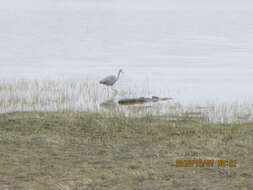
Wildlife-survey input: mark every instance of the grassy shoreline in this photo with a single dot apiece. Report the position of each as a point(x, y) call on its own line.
point(70, 150)
point(81, 96)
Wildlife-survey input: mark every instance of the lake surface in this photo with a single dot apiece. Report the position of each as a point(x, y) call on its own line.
point(195, 52)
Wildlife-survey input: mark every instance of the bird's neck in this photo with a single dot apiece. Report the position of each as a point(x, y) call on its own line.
point(118, 74)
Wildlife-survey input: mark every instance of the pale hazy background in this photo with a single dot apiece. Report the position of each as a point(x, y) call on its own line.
point(194, 51)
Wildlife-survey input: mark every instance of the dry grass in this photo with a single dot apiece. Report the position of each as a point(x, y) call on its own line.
point(79, 150)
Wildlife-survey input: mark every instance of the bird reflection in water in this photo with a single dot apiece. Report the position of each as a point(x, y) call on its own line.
point(111, 103)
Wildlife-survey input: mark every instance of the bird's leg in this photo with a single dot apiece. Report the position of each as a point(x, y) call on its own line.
point(115, 92)
point(108, 92)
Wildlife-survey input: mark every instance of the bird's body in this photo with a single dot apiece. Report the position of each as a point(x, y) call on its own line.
point(110, 80)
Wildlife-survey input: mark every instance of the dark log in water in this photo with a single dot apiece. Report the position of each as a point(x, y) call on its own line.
point(141, 100)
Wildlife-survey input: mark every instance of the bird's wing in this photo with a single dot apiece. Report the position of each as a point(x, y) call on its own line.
point(108, 79)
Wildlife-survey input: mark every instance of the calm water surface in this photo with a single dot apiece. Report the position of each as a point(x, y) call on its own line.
point(193, 52)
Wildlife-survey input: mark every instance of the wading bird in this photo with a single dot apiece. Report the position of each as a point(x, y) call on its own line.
point(110, 80)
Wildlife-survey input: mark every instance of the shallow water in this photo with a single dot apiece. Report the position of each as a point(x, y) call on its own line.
point(194, 52)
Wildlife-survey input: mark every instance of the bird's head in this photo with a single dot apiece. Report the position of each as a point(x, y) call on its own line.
point(121, 71)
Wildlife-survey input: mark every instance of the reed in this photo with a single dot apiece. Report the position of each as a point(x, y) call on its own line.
point(80, 96)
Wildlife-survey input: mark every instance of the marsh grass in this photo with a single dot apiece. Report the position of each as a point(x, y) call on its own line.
point(79, 96)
